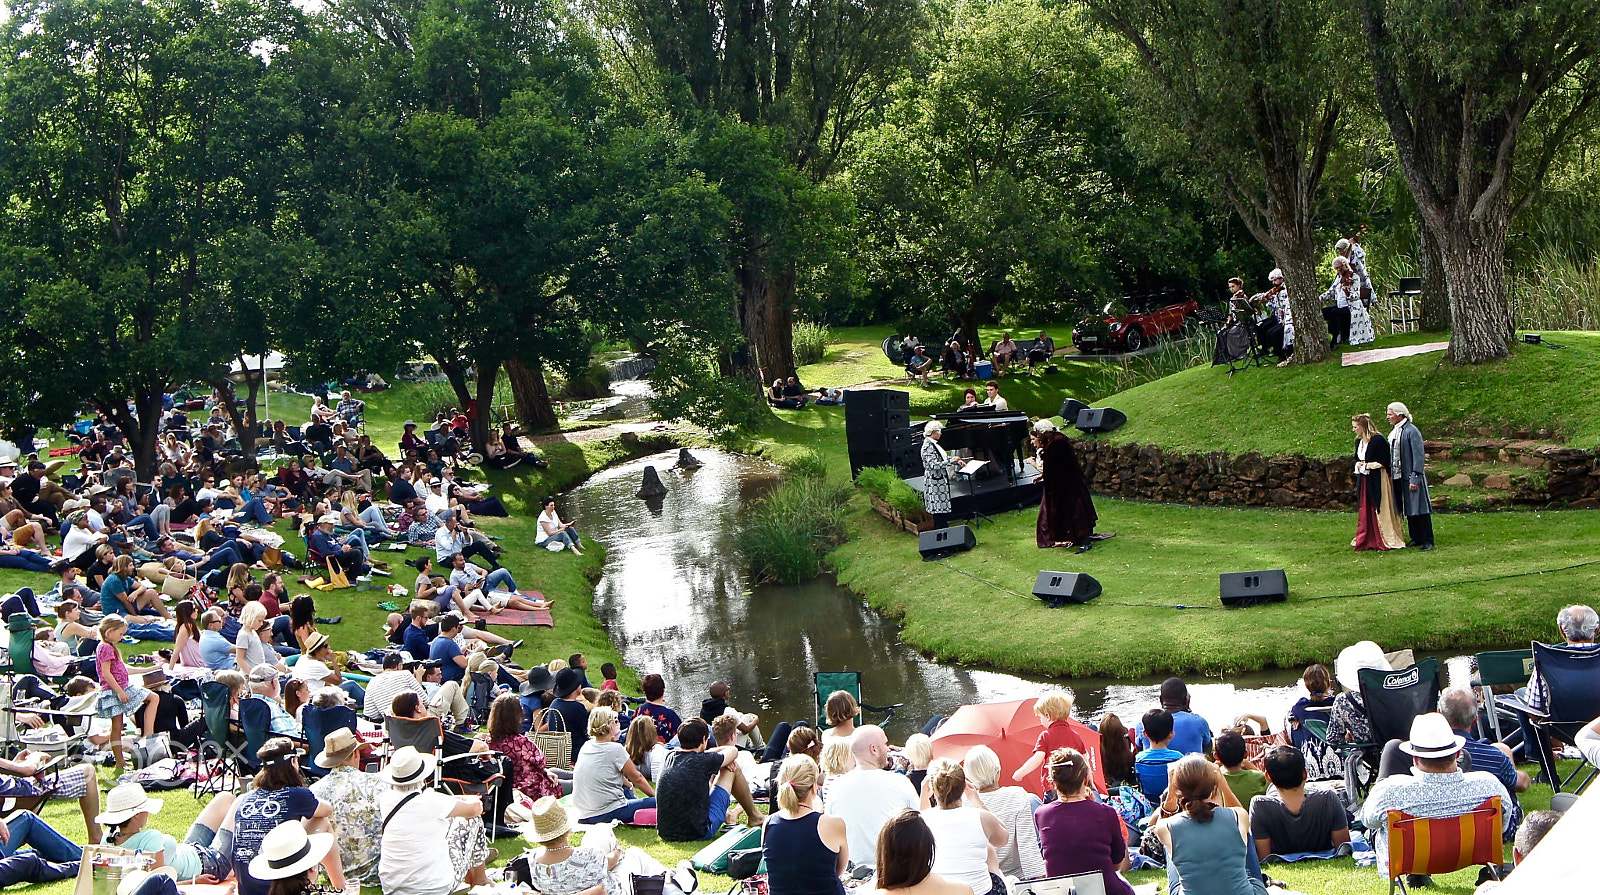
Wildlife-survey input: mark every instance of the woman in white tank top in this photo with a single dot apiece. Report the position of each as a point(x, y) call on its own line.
point(966, 838)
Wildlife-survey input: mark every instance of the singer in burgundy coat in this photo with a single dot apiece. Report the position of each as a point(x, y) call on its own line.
point(1066, 511)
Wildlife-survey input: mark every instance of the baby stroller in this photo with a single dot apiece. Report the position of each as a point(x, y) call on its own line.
point(1237, 345)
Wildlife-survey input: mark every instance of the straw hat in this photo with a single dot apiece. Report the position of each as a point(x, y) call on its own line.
point(125, 801)
point(289, 851)
point(153, 678)
point(1431, 737)
point(1355, 657)
point(408, 766)
point(337, 747)
point(316, 641)
point(75, 503)
point(550, 819)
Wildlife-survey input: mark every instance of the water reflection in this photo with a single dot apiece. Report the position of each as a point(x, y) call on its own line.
point(675, 598)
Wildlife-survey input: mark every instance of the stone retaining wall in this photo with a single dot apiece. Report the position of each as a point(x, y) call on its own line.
point(1536, 474)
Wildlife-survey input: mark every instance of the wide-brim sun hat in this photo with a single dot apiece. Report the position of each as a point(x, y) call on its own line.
point(125, 801)
point(539, 680)
point(550, 820)
point(1431, 737)
point(567, 680)
point(408, 766)
point(289, 851)
point(1355, 657)
point(315, 642)
point(328, 519)
point(337, 747)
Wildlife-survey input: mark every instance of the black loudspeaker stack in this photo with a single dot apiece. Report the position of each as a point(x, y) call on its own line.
point(1100, 419)
point(870, 414)
point(942, 542)
point(1060, 588)
point(1240, 589)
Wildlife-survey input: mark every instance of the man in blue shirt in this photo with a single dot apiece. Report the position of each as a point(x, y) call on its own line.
point(1191, 733)
point(346, 556)
point(453, 537)
point(416, 640)
point(1460, 708)
point(1151, 764)
point(446, 651)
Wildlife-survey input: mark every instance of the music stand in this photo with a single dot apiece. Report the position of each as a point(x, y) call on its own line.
point(966, 471)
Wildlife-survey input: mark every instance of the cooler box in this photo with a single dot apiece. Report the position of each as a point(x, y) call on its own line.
point(983, 369)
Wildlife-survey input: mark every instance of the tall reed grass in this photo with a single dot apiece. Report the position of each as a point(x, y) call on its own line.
point(810, 342)
point(1194, 348)
point(1555, 291)
point(785, 535)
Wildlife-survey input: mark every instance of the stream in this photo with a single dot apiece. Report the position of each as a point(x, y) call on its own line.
point(674, 597)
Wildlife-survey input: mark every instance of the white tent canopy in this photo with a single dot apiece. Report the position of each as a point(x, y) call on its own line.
point(252, 363)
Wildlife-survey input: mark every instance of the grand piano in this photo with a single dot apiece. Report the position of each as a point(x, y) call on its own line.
point(996, 435)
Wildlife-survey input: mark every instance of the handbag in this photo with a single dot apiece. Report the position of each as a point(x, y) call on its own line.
point(177, 586)
point(336, 576)
point(680, 881)
point(744, 863)
point(556, 745)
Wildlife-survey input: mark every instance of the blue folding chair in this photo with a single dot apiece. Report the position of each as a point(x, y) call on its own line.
point(317, 724)
point(1573, 677)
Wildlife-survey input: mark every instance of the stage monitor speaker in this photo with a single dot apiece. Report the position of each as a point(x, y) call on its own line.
point(1061, 588)
point(1254, 588)
point(942, 542)
point(1070, 409)
point(875, 399)
point(907, 460)
point(1100, 419)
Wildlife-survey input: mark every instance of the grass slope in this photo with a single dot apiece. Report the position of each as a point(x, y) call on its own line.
point(1307, 410)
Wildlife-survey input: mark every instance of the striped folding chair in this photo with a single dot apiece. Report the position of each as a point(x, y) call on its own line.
point(1431, 845)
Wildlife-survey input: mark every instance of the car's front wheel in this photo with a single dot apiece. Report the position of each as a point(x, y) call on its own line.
point(1134, 339)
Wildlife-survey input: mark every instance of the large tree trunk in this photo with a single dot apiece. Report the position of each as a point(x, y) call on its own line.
point(482, 420)
point(143, 433)
point(1434, 316)
point(1473, 256)
point(243, 419)
point(766, 314)
point(531, 394)
point(1310, 330)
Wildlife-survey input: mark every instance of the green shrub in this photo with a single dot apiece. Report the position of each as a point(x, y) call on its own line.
point(786, 534)
point(810, 342)
point(807, 464)
point(594, 383)
point(884, 483)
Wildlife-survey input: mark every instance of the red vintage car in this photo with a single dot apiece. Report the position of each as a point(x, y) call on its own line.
point(1130, 331)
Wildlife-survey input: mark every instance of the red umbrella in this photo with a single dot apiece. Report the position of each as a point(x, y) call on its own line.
point(1011, 729)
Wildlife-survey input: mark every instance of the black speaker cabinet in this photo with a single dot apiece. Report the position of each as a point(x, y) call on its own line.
point(861, 458)
point(858, 400)
point(1254, 588)
point(1061, 588)
point(1100, 419)
point(907, 460)
point(1070, 409)
point(942, 542)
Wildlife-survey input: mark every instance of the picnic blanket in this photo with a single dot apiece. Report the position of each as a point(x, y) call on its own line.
point(1376, 355)
point(524, 617)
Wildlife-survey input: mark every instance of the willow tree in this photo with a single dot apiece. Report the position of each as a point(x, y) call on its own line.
point(1249, 94)
point(1480, 96)
point(811, 72)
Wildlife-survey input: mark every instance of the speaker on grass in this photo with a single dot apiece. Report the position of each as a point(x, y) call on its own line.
point(1254, 588)
point(1100, 419)
point(1070, 409)
point(942, 542)
point(1061, 588)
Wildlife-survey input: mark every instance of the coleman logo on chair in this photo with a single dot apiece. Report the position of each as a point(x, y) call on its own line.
point(1402, 680)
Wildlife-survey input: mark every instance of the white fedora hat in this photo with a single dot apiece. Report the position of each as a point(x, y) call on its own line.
point(1355, 657)
point(408, 766)
point(1431, 737)
point(125, 801)
point(288, 851)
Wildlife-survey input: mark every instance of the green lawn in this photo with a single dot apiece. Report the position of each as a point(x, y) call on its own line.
point(1307, 410)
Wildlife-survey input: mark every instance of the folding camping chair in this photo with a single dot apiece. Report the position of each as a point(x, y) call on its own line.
point(1433, 845)
point(220, 749)
point(1500, 668)
point(317, 723)
point(427, 735)
point(1393, 700)
point(1573, 678)
point(823, 685)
